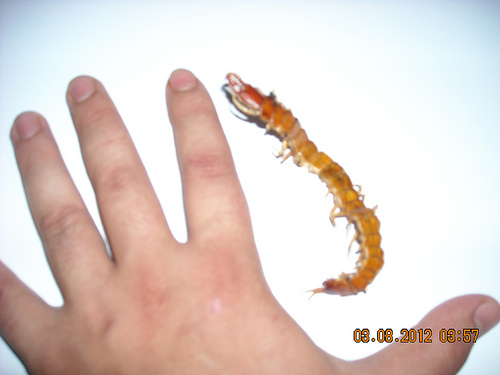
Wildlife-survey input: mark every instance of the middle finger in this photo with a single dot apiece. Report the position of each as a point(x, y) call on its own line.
point(130, 211)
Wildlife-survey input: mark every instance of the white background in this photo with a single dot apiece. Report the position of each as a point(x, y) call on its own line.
point(403, 94)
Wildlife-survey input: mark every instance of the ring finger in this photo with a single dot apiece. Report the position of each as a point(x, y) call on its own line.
point(71, 241)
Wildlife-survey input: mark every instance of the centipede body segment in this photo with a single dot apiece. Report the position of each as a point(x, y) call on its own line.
point(348, 202)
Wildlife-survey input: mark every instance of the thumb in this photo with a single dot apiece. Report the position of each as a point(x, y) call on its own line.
point(470, 311)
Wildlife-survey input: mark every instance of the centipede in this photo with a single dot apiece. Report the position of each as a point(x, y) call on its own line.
point(348, 202)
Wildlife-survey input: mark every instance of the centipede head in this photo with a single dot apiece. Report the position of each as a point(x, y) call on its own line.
point(247, 99)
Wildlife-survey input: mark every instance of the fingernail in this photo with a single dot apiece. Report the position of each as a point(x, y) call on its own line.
point(81, 88)
point(182, 80)
point(27, 125)
point(486, 316)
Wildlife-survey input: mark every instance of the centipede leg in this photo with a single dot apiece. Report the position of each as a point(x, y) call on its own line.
point(286, 157)
point(361, 196)
point(334, 215)
point(354, 238)
point(315, 291)
point(281, 154)
point(269, 126)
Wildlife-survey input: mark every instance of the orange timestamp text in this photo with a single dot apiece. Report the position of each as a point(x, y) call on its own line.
point(416, 335)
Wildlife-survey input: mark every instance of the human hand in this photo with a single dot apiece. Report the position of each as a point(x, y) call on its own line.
point(159, 306)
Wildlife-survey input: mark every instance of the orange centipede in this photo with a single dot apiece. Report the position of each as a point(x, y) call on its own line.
point(348, 201)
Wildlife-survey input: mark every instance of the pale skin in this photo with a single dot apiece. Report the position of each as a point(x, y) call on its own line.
point(159, 306)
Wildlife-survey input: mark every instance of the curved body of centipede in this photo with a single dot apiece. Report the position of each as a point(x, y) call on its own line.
point(348, 202)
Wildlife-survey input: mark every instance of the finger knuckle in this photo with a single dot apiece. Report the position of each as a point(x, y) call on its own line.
point(61, 222)
point(97, 117)
point(211, 165)
point(116, 177)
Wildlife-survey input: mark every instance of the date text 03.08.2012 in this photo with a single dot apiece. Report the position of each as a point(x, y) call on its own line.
point(417, 335)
